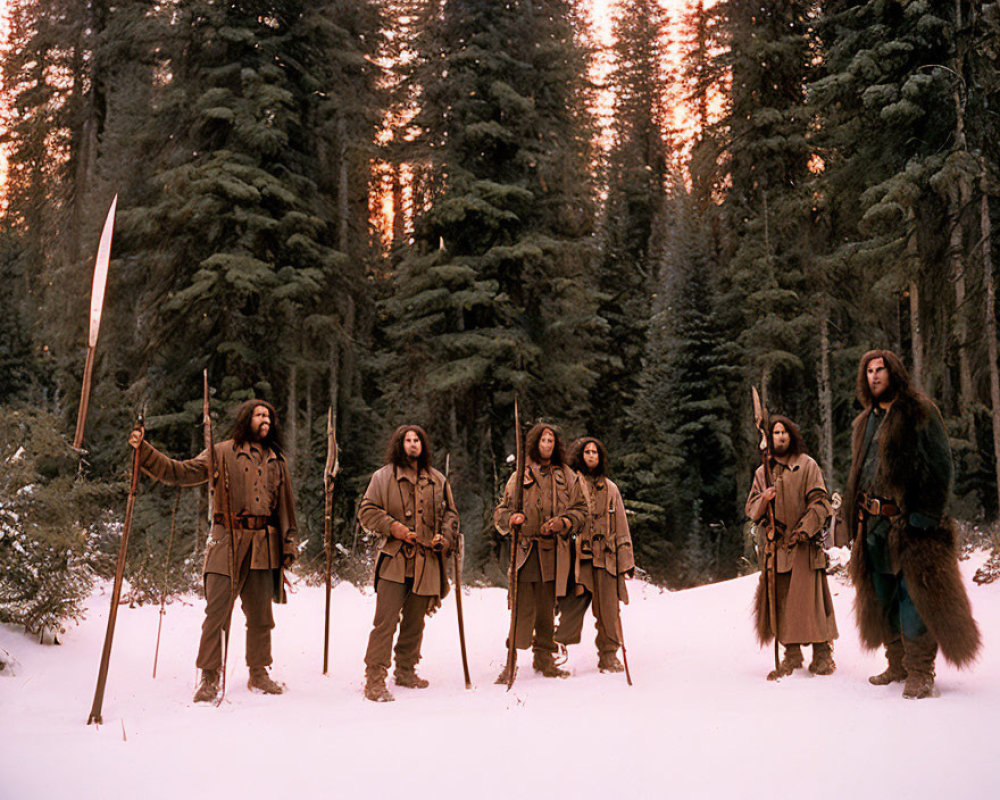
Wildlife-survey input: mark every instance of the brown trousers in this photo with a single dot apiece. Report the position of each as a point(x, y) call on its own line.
point(256, 591)
point(605, 607)
point(536, 611)
point(395, 601)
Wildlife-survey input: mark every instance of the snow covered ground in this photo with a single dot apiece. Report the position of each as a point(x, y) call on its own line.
point(700, 721)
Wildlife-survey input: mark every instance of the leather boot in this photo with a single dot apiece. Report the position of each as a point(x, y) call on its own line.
point(822, 660)
point(407, 676)
point(545, 664)
point(608, 662)
point(790, 661)
point(895, 671)
point(375, 685)
point(918, 658)
point(208, 690)
point(260, 681)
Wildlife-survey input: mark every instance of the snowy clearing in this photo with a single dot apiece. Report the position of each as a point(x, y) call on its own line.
point(701, 721)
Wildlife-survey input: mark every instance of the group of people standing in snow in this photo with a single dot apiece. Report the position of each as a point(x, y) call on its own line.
point(574, 549)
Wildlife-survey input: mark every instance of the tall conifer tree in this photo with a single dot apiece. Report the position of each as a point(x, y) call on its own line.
point(493, 300)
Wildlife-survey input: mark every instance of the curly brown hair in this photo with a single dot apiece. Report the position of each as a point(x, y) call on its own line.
point(534, 437)
point(900, 384)
point(575, 456)
point(242, 433)
point(796, 444)
point(396, 453)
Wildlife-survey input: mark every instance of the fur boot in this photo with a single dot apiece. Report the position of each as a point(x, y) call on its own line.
point(822, 661)
point(918, 658)
point(375, 685)
point(407, 677)
point(208, 690)
point(545, 664)
point(260, 681)
point(608, 662)
point(790, 661)
point(895, 671)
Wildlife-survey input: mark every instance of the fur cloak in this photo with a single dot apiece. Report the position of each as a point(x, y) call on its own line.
point(914, 471)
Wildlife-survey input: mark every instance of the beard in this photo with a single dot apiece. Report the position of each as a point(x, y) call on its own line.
point(780, 449)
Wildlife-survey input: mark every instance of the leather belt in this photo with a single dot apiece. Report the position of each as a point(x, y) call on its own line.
point(246, 522)
point(876, 506)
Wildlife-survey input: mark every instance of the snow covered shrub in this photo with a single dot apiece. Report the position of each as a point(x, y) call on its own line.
point(46, 516)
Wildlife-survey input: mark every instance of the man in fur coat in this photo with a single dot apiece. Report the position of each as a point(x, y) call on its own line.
point(601, 561)
point(801, 508)
point(904, 559)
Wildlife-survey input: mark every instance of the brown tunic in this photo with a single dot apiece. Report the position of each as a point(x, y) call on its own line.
point(259, 486)
point(801, 506)
point(548, 492)
point(423, 504)
point(605, 539)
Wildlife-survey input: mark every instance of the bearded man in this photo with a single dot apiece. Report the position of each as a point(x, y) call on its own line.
point(904, 559)
point(253, 528)
point(553, 509)
point(409, 506)
point(603, 558)
point(801, 509)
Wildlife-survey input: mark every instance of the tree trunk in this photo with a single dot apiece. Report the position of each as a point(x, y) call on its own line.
point(398, 212)
point(825, 394)
point(913, 267)
point(308, 460)
point(347, 364)
point(966, 392)
point(291, 421)
point(960, 198)
point(343, 187)
point(986, 233)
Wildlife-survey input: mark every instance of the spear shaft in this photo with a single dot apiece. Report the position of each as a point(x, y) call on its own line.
point(761, 420)
point(330, 471)
point(518, 507)
point(116, 592)
point(166, 571)
point(458, 555)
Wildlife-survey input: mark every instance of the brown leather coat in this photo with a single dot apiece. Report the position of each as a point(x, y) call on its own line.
point(548, 492)
point(427, 507)
point(801, 505)
point(259, 486)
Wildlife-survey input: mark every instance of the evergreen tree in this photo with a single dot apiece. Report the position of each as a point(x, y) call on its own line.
point(50, 524)
point(492, 300)
point(633, 214)
point(767, 212)
point(686, 419)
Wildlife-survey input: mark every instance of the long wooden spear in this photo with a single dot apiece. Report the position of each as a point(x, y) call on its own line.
point(458, 555)
point(761, 420)
point(518, 507)
point(330, 471)
point(96, 306)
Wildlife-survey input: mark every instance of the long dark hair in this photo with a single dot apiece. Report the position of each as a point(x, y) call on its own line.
point(534, 437)
point(900, 384)
point(241, 432)
point(575, 456)
point(796, 444)
point(396, 453)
